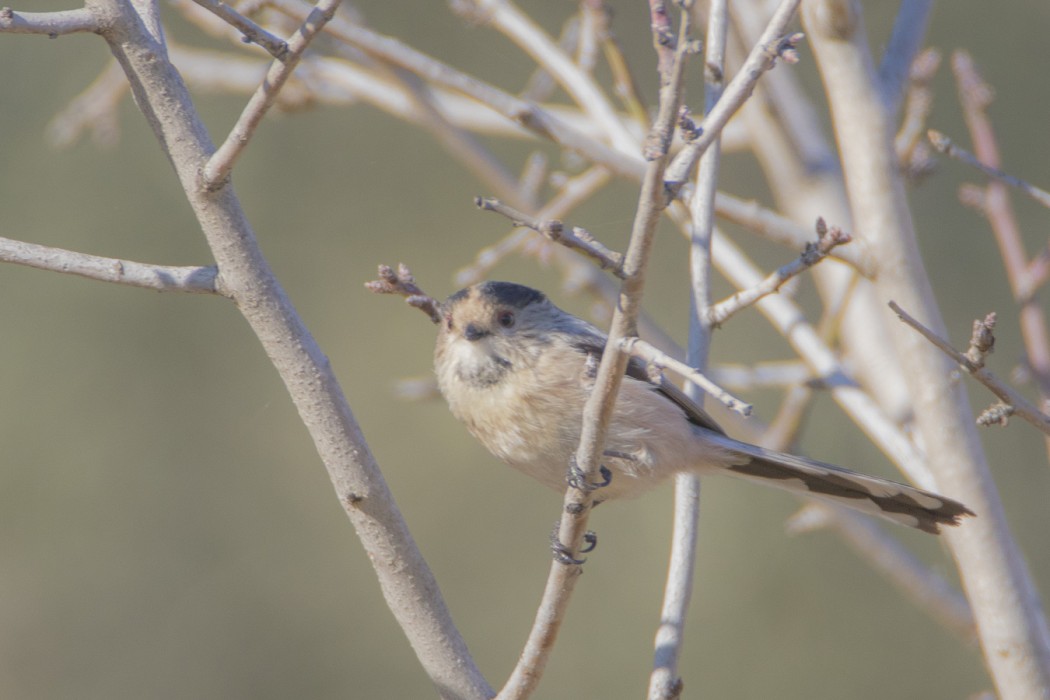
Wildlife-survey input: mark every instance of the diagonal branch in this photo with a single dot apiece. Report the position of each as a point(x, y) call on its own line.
point(219, 166)
point(253, 33)
point(945, 145)
point(813, 254)
point(1019, 404)
point(407, 583)
point(653, 356)
point(577, 239)
point(771, 46)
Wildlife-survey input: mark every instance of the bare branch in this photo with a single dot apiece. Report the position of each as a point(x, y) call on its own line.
point(763, 374)
point(408, 584)
point(945, 145)
point(660, 360)
point(217, 171)
point(506, 17)
point(665, 681)
point(51, 24)
point(94, 110)
point(912, 151)
point(827, 240)
point(253, 33)
point(1001, 591)
point(578, 239)
point(162, 278)
point(599, 407)
point(780, 229)
point(772, 45)
point(1021, 406)
point(1025, 278)
point(403, 283)
point(573, 191)
point(909, 30)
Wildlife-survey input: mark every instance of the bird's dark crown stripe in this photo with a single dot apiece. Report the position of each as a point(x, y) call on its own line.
point(510, 294)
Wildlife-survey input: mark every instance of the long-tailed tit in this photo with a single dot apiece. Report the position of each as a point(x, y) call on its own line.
point(518, 370)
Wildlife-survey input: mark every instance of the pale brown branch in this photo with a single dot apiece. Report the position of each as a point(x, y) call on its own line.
point(912, 151)
point(780, 229)
point(161, 278)
point(660, 360)
point(1021, 406)
point(572, 192)
point(771, 46)
point(406, 581)
point(403, 283)
point(813, 254)
point(577, 239)
point(1025, 278)
point(217, 171)
point(905, 43)
point(94, 110)
point(50, 24)
point(945, 145)
point(252, 32)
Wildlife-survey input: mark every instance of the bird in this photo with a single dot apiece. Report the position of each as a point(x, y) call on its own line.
point(517, 371)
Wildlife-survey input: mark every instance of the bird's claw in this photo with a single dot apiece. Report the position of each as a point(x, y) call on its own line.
point(577, 479)
point(563, 554)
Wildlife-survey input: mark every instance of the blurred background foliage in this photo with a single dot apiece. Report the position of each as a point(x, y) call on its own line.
point(167, 530)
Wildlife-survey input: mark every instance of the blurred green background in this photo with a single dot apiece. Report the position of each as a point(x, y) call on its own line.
point(167, 530)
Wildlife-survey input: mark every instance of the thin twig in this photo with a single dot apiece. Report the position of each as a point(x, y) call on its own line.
point(624, 84)
point(573, 191)
point(162, 278)
point(912, 150)
point(771, 46)
point(403, 283)
point(94, 110)
point(652, 355)
point(780, 229)
point(577, 239)
point(762, 375)
point(1022, 407)
point(789, 320)
point(219, 166)
point(945, 145)
point(506, 17)
point(927, 589)
point(252, 32)
point(827, 240)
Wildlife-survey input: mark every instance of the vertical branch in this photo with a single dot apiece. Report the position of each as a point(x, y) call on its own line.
point(1009, 615)
point(909, 30)
point(579, 497)
point(664, 682)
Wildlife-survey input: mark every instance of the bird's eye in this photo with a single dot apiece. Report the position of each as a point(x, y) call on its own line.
point(505, 318)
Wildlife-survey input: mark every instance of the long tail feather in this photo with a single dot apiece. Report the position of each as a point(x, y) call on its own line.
point(896, 502)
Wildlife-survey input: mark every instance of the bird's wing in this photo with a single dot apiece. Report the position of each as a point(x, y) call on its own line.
point(636, 369)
